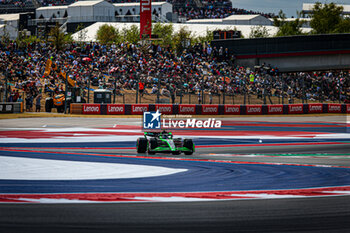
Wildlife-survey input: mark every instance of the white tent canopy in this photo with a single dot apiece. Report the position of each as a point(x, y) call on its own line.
point(90, 11)
point(247, 20)
point(196, 29)
point(9, 25)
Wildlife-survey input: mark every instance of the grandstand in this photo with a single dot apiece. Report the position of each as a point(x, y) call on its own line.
point(15, 6)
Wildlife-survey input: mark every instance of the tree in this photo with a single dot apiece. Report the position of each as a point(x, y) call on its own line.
point(107, 34)
point(326, 18)
point(209, 37)
point(182, 40)
point(164, 32)
point(82, 33)
point(343, 26)
point(59, 38)
point(5, 38)
point(288, 28)
point(258, 32)
point(22, 39)
point(131, 34)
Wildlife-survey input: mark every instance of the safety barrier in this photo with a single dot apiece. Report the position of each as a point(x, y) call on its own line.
point(207, 109)
point(16, 107)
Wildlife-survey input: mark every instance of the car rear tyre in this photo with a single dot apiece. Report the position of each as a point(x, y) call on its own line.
point(141, 145)
point(188, 143)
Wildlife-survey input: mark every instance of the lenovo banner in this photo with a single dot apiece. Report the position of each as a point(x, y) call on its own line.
point(92, 109)
point(210, 109)
point(145, 18)
point(138, 109)
point(115, 109)
point(232, 110)
point(165, 108)
point(315, 108)
point(187, 109)
point(254, 109)
point(275, 109)
point(295, 109)
point(334, 108)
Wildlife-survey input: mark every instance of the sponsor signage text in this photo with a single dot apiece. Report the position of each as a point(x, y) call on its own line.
point(91, 109)
point(295, 109)
point(115, 109)
point(232, 109)
point(275, 109)
point(210, 109)
point(139, 109)
point(315, 108)
point(254, 109)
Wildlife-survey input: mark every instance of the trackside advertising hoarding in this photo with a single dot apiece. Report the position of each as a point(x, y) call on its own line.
point(232, 109)
point(115, 109)
point(334, 108)
point(139, 109)
point(254, 109)
point(275, 109)
point(6, 108)
point(187, 109)
point(295, 109)
point(165, 108)
point(93, 109)
point(205, 109)
point(210, 109)
point(315, 108)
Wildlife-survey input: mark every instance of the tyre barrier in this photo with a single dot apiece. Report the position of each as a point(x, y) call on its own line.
point(208, 109)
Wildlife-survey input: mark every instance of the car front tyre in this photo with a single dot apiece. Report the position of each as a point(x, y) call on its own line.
point(141, 145)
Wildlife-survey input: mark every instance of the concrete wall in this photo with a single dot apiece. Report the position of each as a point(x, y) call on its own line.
point(294, 53)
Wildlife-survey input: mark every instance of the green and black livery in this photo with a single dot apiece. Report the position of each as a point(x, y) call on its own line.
point(163, 142)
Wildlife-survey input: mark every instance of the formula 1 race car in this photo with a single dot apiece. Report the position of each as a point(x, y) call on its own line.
point(163, 142)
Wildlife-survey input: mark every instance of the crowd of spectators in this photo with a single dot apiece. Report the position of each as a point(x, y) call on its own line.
point(55, 2)
point(210, 10)
point(196, 70)
point(15, 3)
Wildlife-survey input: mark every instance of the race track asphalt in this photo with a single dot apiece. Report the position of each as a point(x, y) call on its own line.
point(322, 214)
